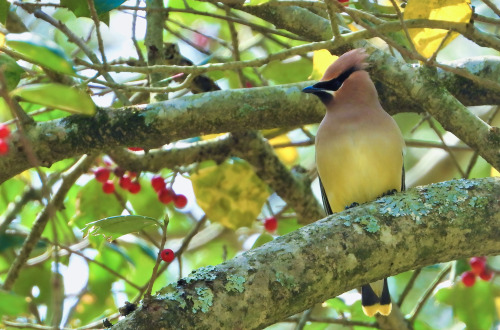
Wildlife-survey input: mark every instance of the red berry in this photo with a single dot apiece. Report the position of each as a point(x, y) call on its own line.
point(271, 224)
point(125, 182)
point(477, 264)
point(119, 172)
point(4, 147)
point(468, 278)
point(343, 1)
point(134, 187)
point(166, 195)
point(486, 275)
point(167, 255)
point(4, 131)
point(158, 183)
point(135, 149)
point(180, 201)
point(108, 187)
point(102, 174)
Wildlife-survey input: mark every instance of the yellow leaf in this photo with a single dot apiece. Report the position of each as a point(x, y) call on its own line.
point(494, 172)
point(230, 193)
point(427, 40)
point(321, 60)
point(2, 40)
point(287, 155)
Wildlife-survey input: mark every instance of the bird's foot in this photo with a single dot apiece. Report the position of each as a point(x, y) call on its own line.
point(389, 192)
point(351, 206)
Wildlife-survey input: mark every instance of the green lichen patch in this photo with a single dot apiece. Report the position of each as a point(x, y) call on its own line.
point(206, 274)
point(285, 280)
point(448, 196)
point(175, 296)
point(403, 205)
point(235, 283)
point(203, 299)
point(367, 222)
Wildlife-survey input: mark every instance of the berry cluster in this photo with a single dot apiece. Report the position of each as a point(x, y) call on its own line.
point(270, 224)
point(4, 135)
point(167, 195)
point(167, 255)
point(478, 268)
point(126, 181)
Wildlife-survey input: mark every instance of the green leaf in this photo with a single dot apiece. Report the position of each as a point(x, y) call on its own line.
point(288, 72)
point(92, 203)
point(12, 304)
point(41, 51)
point(81, 9)
point(104, 6)
point(115, 227)
point(262, 239)
point(475, 306)
point(146, 203)
point(57, 96)
point(4, 10)
point(11, 70)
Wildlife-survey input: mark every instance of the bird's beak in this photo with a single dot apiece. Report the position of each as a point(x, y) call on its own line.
point(312, 89)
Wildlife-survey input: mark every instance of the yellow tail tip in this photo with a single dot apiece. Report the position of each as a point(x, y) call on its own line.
point(377, 308)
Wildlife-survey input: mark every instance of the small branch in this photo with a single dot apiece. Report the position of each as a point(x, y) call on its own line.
point(409, 286)
point(95, 18)
point(427, 294)
point(154, 275)
point(68, 179)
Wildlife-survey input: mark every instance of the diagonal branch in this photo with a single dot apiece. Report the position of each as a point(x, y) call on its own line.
point(331, 256)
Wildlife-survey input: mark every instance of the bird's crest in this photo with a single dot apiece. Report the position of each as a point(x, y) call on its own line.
point(351, 61)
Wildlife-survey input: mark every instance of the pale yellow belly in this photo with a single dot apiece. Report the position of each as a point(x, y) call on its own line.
point(359, 167)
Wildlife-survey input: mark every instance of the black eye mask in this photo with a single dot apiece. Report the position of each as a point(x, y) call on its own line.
point(323, 89)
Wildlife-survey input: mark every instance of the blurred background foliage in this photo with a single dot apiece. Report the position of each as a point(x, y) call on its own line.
point(74, 280)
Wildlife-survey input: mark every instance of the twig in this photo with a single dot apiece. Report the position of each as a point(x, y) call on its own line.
point(95, 18)
point(68, 179)
point(235, 46)
point(134, 39)
point(427, 294)
point(154, 275)
point(303, 319)
point(452, 155)
point(492, 6)
point(409, 286)
point(76, 40)
point(403, 24)
point(100, 264)
point(334, 321)
point(334, 20)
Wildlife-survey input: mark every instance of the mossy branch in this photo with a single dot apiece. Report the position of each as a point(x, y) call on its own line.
point(422, 226)
point(156, 124)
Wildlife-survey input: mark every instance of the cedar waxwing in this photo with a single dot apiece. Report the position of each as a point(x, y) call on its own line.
point(359, 150)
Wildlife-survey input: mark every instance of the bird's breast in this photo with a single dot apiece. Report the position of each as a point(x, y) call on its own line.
point(358, 161)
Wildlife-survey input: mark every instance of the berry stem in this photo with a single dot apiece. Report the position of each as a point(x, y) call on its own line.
point(147, 294)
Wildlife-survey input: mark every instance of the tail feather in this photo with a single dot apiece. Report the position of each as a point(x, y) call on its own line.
point(376, 299)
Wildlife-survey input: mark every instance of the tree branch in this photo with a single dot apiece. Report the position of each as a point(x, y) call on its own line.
point(419, 227)
point(156, 124)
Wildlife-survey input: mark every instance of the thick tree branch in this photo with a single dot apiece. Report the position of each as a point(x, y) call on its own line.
point(423, 226)
point(223, 111)
point(251, 146)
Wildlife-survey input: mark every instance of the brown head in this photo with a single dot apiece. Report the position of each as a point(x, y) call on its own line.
point(337, 73)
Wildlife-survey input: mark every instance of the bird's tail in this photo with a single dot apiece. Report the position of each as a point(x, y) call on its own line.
point(375, 298)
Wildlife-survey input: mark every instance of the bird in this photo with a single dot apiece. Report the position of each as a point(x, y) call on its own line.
point(359, 150)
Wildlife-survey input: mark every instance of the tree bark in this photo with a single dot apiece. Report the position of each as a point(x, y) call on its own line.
point(416, 228)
